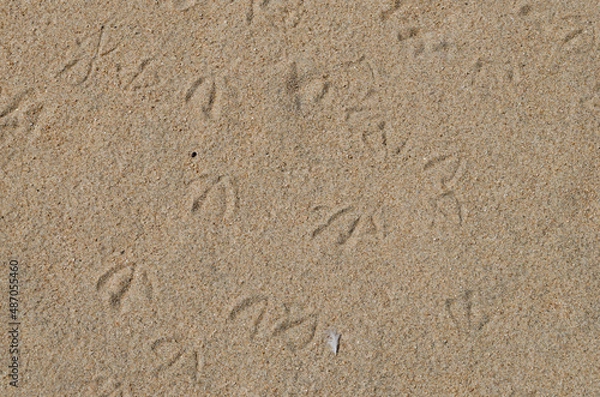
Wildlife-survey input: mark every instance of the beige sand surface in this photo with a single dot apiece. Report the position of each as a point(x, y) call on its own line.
point(199, 195)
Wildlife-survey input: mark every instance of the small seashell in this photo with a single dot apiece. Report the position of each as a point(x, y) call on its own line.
point(333, 340)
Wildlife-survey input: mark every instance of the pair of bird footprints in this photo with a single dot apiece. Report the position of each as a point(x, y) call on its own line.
point(298, 329)
point(345, 226)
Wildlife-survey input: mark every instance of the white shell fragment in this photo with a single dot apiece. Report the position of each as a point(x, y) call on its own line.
point(333, 340)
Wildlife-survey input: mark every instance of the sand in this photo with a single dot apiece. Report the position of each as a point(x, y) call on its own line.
point(300, 198)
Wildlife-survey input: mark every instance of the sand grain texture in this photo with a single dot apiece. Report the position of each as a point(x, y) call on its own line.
point(197, 191)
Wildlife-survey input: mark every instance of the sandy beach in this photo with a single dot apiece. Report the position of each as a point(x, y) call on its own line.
point(300, 198)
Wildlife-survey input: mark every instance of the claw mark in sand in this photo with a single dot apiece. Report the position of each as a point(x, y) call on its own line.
point(331, 219)
point(115, 283)
point(203, 95)
point(84, 62)
point(221, 188)
point(246, 304)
